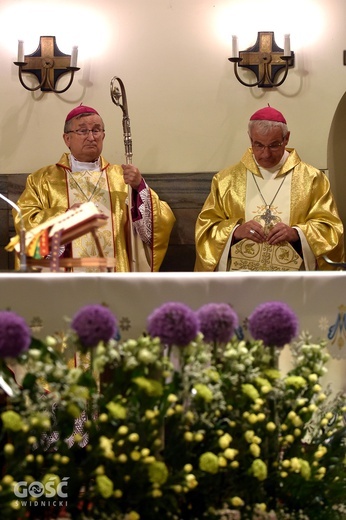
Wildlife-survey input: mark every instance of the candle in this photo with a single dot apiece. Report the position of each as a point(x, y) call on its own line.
point(73, 62)
point(287, 45)
point(20, 58)
point(235, 52)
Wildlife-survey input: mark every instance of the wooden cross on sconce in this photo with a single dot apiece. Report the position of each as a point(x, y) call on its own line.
point(265, 59)
point(47, 63)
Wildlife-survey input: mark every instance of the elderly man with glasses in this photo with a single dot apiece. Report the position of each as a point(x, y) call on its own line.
point(84, 175)
point(271, 211)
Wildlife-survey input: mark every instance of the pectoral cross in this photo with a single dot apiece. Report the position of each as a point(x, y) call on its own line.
point(268, 216)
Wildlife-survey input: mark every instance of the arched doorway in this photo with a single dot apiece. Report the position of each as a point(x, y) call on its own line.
point(336, 157)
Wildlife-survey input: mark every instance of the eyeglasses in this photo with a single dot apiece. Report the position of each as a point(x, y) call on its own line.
point(84, 132)
point(273, 146)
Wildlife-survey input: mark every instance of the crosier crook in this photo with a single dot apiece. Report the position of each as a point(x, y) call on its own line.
point(118, 95)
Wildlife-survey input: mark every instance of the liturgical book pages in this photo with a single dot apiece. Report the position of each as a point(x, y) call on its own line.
point(72, 224)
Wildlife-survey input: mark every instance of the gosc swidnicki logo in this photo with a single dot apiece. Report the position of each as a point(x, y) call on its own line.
point(37, 492)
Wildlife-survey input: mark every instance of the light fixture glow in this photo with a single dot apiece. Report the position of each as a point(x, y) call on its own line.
point(88, 28)
point(235, 19)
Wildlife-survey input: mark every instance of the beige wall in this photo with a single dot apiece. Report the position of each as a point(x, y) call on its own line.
point(188, 112)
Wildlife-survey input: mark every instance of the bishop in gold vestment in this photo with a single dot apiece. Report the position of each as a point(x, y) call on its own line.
point(269, 181)
point(84, 175)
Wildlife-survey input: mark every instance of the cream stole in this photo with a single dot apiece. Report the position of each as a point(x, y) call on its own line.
point(85, 186)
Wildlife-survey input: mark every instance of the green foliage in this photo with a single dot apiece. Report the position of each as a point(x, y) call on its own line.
point(141, 432)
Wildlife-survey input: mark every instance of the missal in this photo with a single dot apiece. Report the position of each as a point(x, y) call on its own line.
point(69, 226)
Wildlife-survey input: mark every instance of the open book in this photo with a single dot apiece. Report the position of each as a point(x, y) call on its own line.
point(71, 224)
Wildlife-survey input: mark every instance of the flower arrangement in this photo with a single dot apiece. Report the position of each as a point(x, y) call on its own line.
point(187, 422)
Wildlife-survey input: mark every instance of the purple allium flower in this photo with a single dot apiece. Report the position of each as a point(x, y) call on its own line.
point(274, 323)
point(94, 323)
point(174, 323)
point(15, 334)
point(218, 322)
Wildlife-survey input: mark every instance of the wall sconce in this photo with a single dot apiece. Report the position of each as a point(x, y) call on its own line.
point(47, 63)
point(265, 59)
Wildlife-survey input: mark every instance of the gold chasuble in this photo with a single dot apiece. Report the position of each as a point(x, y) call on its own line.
point(267, 202)
point(294, 193)
point(51, 190)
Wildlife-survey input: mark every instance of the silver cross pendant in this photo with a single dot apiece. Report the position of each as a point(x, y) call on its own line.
point(268, 217)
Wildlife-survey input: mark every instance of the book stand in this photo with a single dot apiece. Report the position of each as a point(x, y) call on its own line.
point(64, 236)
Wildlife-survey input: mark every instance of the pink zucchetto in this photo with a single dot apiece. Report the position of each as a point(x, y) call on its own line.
point(81, 109)
point(268, 114)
